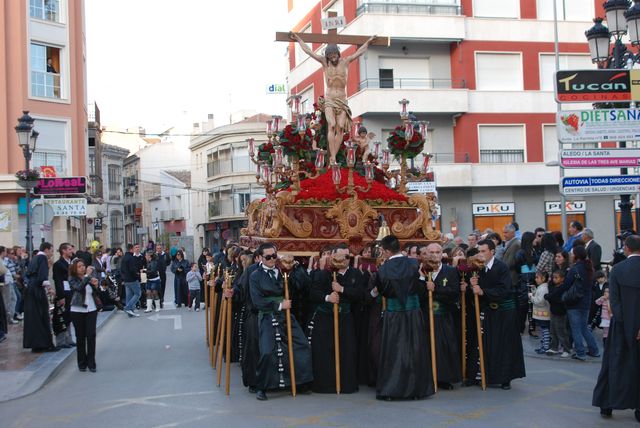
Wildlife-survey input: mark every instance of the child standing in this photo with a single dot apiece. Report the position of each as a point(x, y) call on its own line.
point(558, 324)
point(541, 309)
point(605, 314)
point(193, 280)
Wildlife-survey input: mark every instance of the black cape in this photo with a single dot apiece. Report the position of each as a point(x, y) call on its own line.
point(321, 336)
point(404, 370)
point(618, 385)
point(273, 366)
point(37, 324)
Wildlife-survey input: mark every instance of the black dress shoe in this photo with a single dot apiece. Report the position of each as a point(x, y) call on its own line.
point(261, 395)
point(506, 386)
point(606, 413)
point(72, 344)
point(252, 389)
point(445, 385)
point(92, 369)
point(82, 369)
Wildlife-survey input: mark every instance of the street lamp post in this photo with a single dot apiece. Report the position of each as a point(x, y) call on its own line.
point(27, 138)
point(620, 17)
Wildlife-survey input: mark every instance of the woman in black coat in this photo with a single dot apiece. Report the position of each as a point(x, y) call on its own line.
point(180, 267)
point(580, 276)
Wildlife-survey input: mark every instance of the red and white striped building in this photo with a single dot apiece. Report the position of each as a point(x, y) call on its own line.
point(481, 72)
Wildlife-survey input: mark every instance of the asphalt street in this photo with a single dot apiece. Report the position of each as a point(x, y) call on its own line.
point(153, 371)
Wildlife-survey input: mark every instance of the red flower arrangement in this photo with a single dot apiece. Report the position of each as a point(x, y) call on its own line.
point(398, 145)
point(323, 189)
point(293, 143)
point(265, 150)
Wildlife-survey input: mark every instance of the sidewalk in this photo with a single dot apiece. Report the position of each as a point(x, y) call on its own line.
point(23, 372)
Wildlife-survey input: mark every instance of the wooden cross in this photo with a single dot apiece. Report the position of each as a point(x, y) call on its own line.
point(332, 37)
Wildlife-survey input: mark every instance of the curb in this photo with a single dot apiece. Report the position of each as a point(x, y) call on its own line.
point(37, 374)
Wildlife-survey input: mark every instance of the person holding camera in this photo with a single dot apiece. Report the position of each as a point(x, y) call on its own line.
point(84, 313)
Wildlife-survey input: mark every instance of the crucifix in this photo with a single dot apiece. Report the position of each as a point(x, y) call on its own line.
point(335, 68)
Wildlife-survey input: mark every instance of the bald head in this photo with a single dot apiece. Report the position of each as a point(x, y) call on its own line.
point(434, 252)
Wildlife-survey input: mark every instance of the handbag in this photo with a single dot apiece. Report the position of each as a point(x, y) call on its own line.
point(574, 293)
point(98, 302)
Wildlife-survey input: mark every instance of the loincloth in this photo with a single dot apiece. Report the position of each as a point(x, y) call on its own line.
point(339, 106)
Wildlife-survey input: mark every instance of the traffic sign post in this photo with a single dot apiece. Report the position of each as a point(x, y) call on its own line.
point(600, 158)
point(605, 185)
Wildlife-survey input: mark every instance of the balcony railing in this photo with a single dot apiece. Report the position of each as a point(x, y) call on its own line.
point(46, 85)
point(457, 157)
point(501, 156)
point(412, 83)
point(168, 215)
point(228, 166)
point(407, 8)
point(221, 208)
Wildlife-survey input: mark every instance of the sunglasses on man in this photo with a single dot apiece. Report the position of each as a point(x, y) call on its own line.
point(271, 256)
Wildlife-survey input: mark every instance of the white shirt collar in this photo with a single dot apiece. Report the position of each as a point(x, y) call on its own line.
point(489, 264)
point(437, 272)
point(395, 256)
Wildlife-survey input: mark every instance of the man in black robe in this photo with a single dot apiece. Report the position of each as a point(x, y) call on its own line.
point(618, 384)
point(249, 331)
point(63, 293)
point(325, 292)
point(404, 370)
point(267, 294)
point(37, 323)
point(444, 282)
point(503, 357)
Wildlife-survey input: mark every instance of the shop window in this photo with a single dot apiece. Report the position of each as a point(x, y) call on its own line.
point(554, 221)
point(495, 223)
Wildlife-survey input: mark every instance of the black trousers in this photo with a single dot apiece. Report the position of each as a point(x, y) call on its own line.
point(85, 325)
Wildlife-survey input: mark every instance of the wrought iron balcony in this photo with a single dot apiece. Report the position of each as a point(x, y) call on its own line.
point(412, 83)
point(408, 7)
point(501, 156)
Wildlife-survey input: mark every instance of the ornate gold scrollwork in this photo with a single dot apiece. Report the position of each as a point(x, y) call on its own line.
point(267, 218)
point(427, 207)
point(351, 215)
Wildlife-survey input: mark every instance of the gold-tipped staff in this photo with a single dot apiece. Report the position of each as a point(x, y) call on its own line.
point(476, 300)
point(432, 339)
point(292, 368)
point(221, 336)
point(229, 305)
point(336, 339)
point(463, 303)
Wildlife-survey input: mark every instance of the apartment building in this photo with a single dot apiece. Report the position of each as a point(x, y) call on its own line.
point(481, 72)
point(42, 70)
point(223, 179)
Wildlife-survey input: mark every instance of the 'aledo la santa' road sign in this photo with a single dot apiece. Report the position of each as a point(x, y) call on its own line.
point(599, 158)
point(605, 185)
